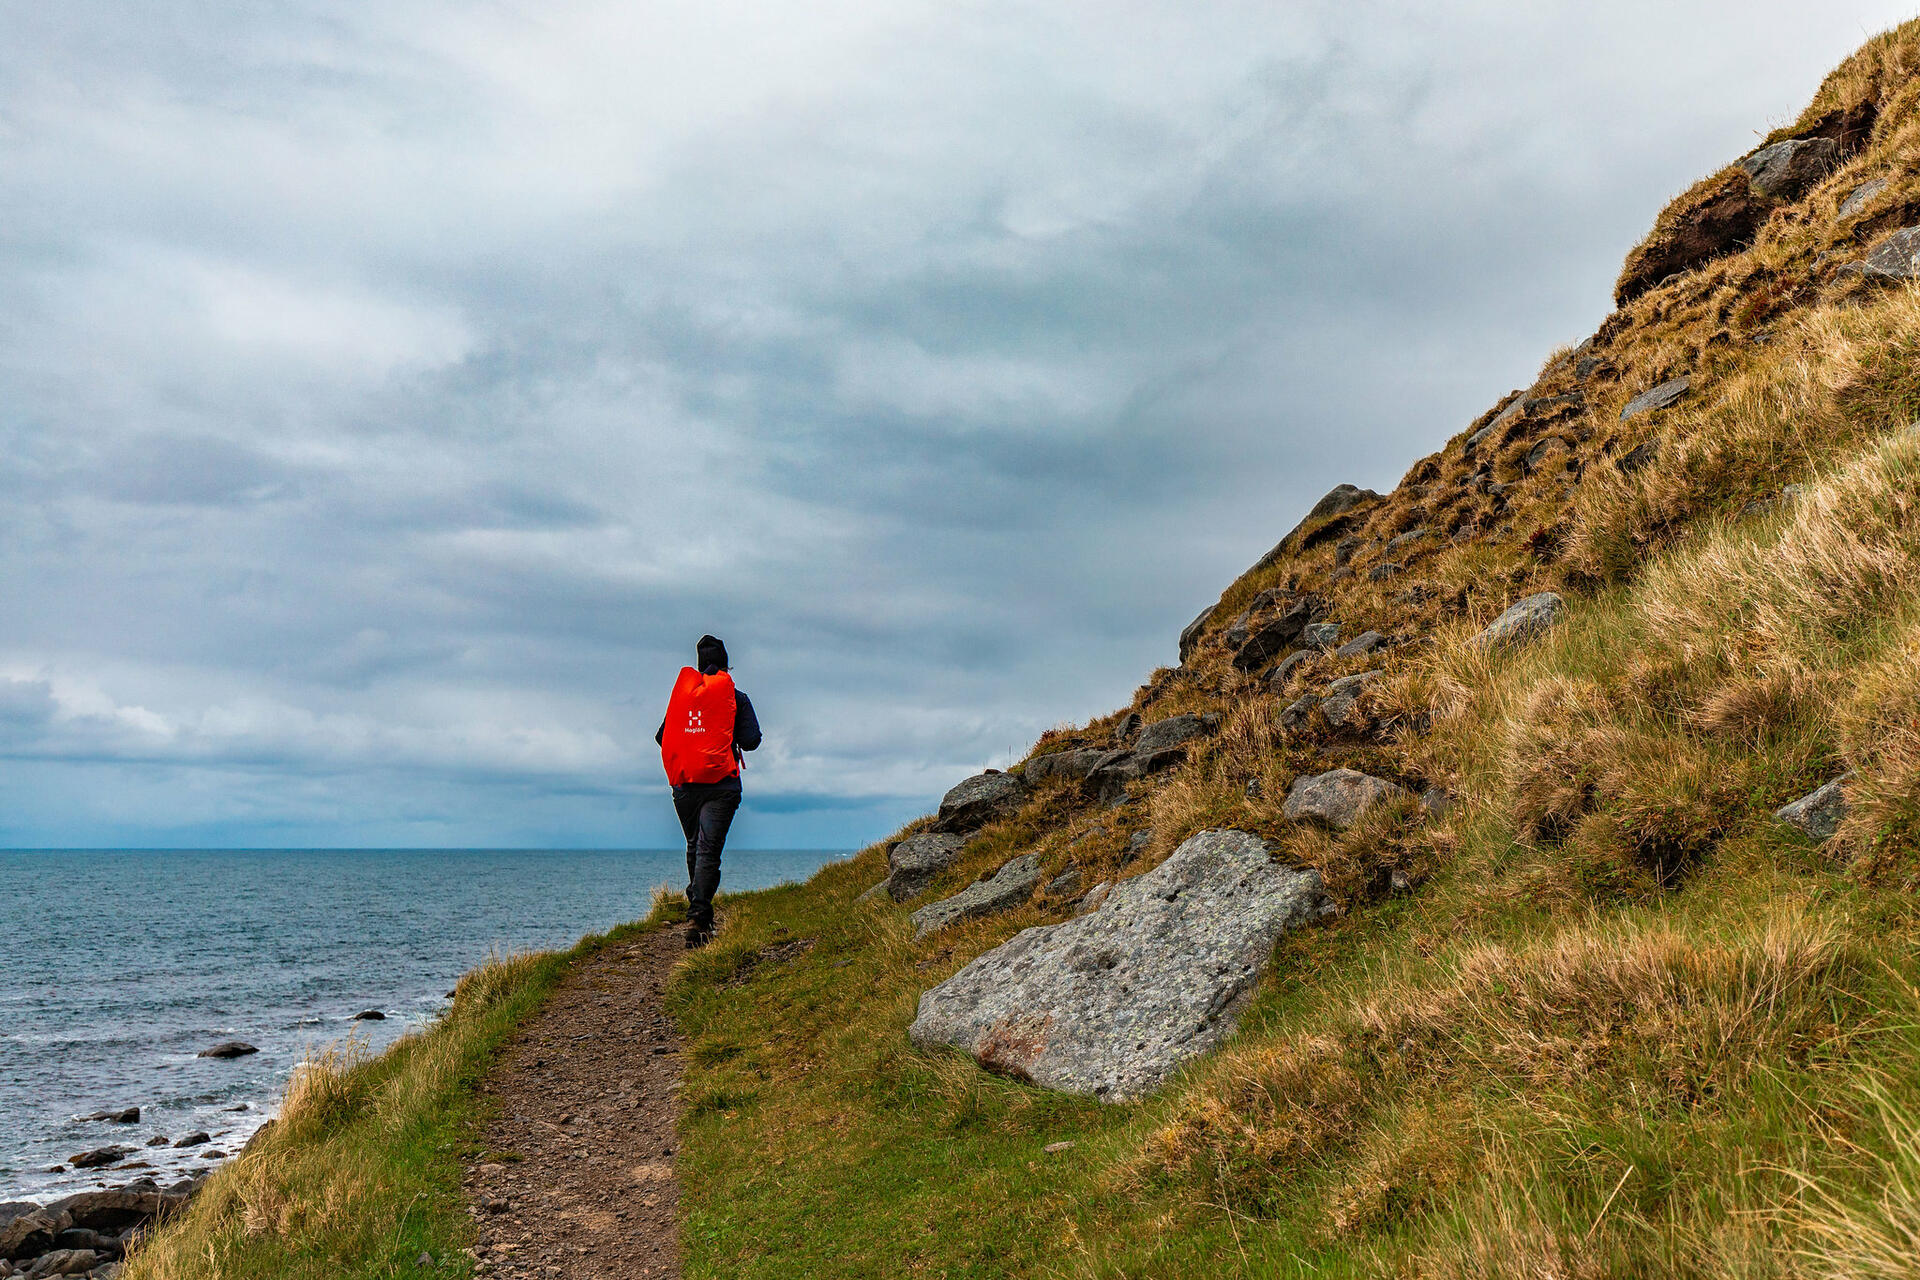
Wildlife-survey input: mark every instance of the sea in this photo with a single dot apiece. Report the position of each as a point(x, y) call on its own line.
point(118, 966)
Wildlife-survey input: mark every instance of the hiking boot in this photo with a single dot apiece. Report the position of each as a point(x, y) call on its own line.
point(698, 936)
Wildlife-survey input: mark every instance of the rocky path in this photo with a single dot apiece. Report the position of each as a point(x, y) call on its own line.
point(577, 1179)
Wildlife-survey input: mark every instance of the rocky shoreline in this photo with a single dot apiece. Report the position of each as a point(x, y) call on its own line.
point(88, 1234)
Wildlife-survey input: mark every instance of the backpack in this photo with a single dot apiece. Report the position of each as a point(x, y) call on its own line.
point(697, 744)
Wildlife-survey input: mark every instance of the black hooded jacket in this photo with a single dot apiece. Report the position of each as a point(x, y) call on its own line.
point(712, 657)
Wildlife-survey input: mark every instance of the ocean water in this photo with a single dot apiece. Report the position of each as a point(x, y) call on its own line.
point(118, 967)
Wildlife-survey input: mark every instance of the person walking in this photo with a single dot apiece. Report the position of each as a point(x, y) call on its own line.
point(708, 724)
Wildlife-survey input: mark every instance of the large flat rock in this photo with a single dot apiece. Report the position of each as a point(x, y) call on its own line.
point(915, 863)
point(1109, 1004)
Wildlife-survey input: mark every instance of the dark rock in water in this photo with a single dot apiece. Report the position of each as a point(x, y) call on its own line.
point(197, 1138)
point(158, 1140)
point(1660, 397)
point(1191, 633)
point(239, 1106)
point(915, 863)
point(1110, 1003)
point(1788, 170)
point(1895, 258)
point(1338, 703)
point(99, 1157)
point(130, 1115)
point(979, 800)
point(1522, 621)
point(999, 891)
point(368, 1015)
point(228, 1049)
point(1276, 637)
point(1861, 196)
point(1361, 645)
point(1337, 798)
point(1817, 814)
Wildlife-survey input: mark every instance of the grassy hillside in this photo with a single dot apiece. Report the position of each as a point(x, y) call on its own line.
point(1599, 1016)
point(1617, 1021)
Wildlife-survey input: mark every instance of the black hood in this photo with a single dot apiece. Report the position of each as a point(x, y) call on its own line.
point(712, 655)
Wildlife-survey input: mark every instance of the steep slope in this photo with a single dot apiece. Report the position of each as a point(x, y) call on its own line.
point(1581, 1004)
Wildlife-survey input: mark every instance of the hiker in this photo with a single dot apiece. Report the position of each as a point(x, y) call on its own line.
point(707, 725)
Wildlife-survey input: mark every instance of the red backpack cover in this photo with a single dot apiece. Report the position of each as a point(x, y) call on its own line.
point(697, 744)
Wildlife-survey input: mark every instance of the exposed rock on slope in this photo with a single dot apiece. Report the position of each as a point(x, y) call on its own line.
point(1109, 1004)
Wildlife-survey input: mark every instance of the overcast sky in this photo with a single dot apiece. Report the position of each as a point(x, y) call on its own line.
point(391, 393)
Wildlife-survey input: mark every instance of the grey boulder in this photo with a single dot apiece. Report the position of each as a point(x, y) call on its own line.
point(1861, 196)
point(915, 862)
point(991, 894)
point(1522, 621)
point(1338, 704)
point(1364, 643)
point(1164, 741)
point(1073, 765)
point(1660, 397)
point(1110, 1003)
point(1279, 675)
point(1191, 633)
point(1337, 798)
point(1276, 637)
point(1817, 814)
point(979, 800)
point(1896, 258)
point(1320, 635)
point(1788, 170)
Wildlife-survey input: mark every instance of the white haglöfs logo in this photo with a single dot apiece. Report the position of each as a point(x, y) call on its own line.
point(693, 723)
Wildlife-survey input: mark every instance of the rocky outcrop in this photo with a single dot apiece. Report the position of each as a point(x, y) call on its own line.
point(1817, 814)
point(1325, 519)
point(1521, 622)
point(1072, 765)
point(1277, 636)
point(1716, 218)
point(1340, 702)
point(1191, 634)
point(1663, 396)
point(1110, 1003)
point(1338, 798)
point(1895, 258)
point(979, 800)
point(1788, 170)
point(993, 893)
point(914, 864)
point(1161, 745)
point(83, 1234)
point(228, 1049)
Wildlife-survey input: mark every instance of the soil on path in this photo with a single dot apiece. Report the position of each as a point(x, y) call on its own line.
point(577, 1177)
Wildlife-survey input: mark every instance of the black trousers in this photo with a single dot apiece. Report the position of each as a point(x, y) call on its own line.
point(706, 811)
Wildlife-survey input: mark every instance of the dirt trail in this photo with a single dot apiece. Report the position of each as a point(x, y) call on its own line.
point(587, 1104)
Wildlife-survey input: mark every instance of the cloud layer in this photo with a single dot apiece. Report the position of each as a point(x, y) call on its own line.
point(390, 393)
